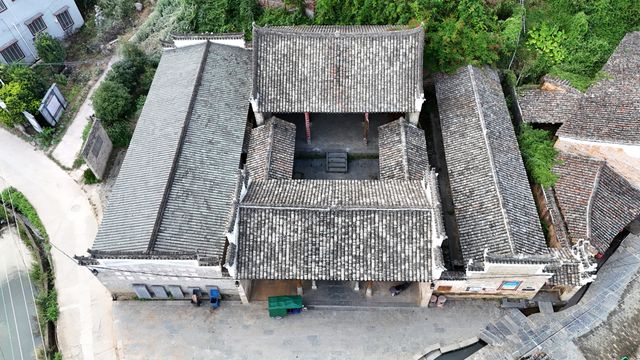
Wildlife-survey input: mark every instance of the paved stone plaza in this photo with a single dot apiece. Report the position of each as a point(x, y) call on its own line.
point(237, 331)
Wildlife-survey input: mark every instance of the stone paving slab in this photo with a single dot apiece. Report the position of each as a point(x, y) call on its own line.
point(172, 330)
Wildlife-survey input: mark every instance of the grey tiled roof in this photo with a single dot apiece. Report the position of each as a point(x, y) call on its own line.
point(136, 200)
point(577, 176)
point(610, 110)
point(174, 192)
point(343, 194)
point(492, 199)
point(403, 151)
point(595, 201)
point(200, 197)
point(271, 150)
point(565, 270)
point(338, 69)
point(353, 230)
point(552, 103)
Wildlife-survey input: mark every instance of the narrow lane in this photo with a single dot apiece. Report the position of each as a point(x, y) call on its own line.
point(85, 325)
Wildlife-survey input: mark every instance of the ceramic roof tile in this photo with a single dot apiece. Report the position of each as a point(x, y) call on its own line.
point(554, 102)
point(195, 112)
point(402, 151)
point(492, 199)
point(595, 201)
point(335, 230)
point(338, 69)
point(610, 111)
point(271, 150)
point(130, 219)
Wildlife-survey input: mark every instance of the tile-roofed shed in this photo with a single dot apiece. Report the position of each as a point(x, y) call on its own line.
point(335, 230)
point(271, 150)
point(338, 69)
point(403, 151)
point(610, 111)
point(554, 102)
point(596, 203)
point(176, 185)
point(493, 203)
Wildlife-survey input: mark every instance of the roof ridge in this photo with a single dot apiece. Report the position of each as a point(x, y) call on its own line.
point(490, 153)
point(403, 140)
point(271, 125)
point(594, 189)
point(176, 155)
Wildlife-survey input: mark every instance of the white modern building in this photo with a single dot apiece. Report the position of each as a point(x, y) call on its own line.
point(21, 20)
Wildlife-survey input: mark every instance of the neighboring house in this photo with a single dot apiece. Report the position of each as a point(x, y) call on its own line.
point(603, 122)
point(498, 227)
point(21, 20)
point(595, 203)
point(597, 194)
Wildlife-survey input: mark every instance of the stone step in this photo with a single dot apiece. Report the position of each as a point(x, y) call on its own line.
point(337, 162)
point(519, 318)
point(546, 307)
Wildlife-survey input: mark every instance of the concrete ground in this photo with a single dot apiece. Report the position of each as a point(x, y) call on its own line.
point(337, 293)
point(237, 331)
point(20, 336)
point(357, 169)
point(69, 147)
point(85, 324)
point(337, 132)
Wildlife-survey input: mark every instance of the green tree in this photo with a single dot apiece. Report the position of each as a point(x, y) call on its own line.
point(111, 102)
point(538, 154)
point(22, 91)
point(126, 73)
point(50, 49)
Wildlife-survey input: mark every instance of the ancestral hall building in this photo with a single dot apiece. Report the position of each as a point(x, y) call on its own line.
point(208, 194)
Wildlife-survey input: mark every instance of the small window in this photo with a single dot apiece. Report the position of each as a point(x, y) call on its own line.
point(37, 25)
point(3, 7)
point(65, 20)
point(12, 53)
point(510, 285)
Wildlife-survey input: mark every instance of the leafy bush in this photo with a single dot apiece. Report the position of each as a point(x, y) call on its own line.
point(50, 49)
point(282, 17)
point(538, 154)
point(49, 303)
point(22, 91)
point(547, 40)
point(120, 133)
point(113, 16)
point(111, 102)
point(89, 177)
point(125, 72)
point(591, 31)
point(457, 32)
point(220, 15)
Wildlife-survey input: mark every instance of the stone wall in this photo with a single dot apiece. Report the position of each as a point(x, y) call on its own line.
point(97, 149)
point(492, 283)
point(119, 276)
